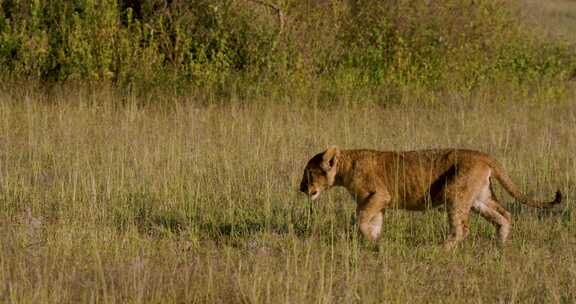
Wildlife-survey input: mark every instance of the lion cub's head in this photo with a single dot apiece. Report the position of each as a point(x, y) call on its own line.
point(320, 172)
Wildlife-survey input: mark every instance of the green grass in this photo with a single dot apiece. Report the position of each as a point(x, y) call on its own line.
point(180, 203)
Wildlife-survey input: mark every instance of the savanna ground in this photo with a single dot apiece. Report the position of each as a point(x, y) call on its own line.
point(108, 197)
point(108, 203)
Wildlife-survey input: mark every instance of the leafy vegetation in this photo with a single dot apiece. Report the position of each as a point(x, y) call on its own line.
point(179, 44)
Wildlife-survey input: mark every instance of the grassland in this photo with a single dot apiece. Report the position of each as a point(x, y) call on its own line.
point(104, 200)
point(179, 185)
point(555, 18)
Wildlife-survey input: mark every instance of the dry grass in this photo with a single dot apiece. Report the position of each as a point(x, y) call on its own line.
point(552, 17)
point(188, 204)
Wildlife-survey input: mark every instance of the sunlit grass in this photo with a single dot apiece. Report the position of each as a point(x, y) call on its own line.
point(552, 17)
point(185, 203)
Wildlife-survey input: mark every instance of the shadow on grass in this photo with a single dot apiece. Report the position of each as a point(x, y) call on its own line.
point(555, 213)
point(247, 228)
point(241, 229)
point(141, 210)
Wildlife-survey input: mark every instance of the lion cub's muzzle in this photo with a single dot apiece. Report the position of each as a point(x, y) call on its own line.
point(310, 191)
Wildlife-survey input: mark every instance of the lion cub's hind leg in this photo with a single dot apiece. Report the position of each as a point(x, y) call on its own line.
point(458, 219)
point(460, 194)
point(490, 209)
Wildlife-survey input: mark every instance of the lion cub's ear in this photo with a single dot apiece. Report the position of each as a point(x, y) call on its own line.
point(330, 158)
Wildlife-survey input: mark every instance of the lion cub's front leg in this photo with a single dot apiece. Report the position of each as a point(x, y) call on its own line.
point(369, 212)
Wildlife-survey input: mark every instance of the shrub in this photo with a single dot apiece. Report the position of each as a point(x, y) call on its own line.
point(398, 43)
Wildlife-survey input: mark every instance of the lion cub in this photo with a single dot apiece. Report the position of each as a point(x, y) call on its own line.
point(416, 180)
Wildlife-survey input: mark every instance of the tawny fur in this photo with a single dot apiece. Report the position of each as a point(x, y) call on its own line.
point(417, 180)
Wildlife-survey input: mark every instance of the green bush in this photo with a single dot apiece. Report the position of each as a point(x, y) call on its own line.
point(398, 43)
point(435, 43)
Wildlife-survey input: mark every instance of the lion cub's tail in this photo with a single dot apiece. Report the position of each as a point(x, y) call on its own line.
point(505, 180)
